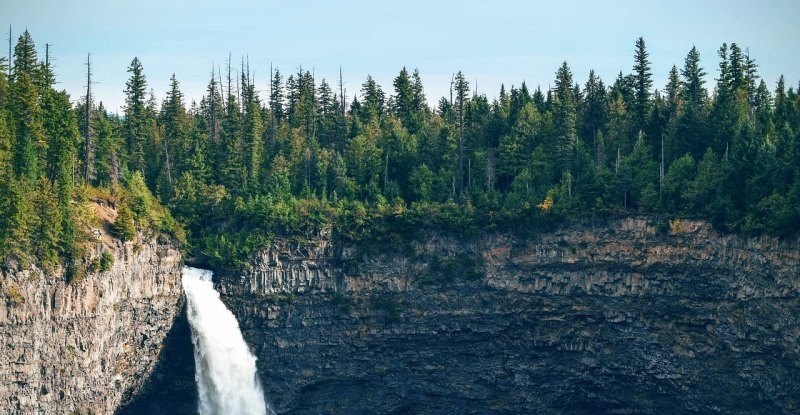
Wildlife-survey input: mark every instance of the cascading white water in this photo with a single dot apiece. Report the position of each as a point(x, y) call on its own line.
point(227, 382)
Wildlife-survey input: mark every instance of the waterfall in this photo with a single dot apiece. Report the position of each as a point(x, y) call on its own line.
point(227, 382)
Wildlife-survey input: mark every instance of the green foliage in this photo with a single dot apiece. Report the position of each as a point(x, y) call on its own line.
point(141, 212)
point(387, 304)
point(124, 226)
point(443, 271)
point(238, 170)
point(13, 296)
point(76, 272)
point(677, 182)
point(106, 261)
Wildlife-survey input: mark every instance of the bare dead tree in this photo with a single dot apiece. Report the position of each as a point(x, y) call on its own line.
point(272, 121)
point(87, 130)
point(344, 109)
point(313, 103)
point(10, 50)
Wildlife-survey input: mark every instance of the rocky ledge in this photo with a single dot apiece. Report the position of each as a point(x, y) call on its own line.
point(82, 347)
point(614, 318)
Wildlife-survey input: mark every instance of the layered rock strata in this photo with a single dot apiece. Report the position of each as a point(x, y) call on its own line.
point(613, 318)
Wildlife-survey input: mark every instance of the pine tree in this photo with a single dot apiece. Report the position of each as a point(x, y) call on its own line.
point(5, 149)
point(674, 104)
point(691, 135)
point(61, 128)
point(175, 126)
point(252, 131)
point(462, 95)
point(212, 112)
point(47, 226)
point(419, 103)
point(694, 93)
point(106, 148)
point(403, 100)
point(782, 104)
point(644, 83)
point(135, 126)
point(276, 96)
point(373, 100)
point(231, 169)
point(595, 107)
point(25, 60)
point(328, 116)
point(30, 140)
point(564, 119)
point(17, 220)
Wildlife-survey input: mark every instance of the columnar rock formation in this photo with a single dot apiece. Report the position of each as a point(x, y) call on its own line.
point(611, 318)
point(80, 347)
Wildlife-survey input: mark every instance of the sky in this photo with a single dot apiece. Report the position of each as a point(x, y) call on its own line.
point(491, 42)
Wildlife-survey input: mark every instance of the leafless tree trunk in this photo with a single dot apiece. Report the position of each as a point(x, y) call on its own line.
point(344, 109)
point(87, 131)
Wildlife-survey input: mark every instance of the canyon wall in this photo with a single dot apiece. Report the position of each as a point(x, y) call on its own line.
point(83, 347)
point(609, 318)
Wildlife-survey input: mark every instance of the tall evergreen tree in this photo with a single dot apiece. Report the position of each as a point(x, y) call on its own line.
point(373, 100)
point(462, 95)
point(25, 60)
point(691, 129)
point(644, 83)
point(403, 100)
point(595, 107)
point(30, 139)
point(174, 120)
point(564, 119)
point(135, 125)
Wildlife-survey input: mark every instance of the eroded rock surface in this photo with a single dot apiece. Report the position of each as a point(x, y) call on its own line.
point(82, 347)
point(613, 318)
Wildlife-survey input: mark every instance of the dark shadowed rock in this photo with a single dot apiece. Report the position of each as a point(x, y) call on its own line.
point(613, 318)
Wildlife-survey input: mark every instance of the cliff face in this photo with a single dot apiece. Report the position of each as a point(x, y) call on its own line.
point(608, 319)
point(81, 347)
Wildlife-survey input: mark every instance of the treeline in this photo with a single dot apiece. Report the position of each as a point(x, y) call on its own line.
point(240, 164)
point(48, 170)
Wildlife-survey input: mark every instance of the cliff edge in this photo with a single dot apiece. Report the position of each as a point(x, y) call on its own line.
point(80, 347)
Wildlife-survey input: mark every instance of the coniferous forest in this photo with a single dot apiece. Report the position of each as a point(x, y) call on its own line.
point(228, 172)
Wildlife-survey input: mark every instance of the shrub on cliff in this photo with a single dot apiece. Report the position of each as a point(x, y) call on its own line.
point(139, 211)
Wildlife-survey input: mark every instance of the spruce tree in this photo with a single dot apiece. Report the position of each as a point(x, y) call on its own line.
point(373, 100)
point(174, 120)
point(135, 126)
point(276, 96)
point(564, 119)
point(25, 60)
point(595, 107)
point(462, 95)
point(30, 139)
point(644, 83)
point(691, 129)
point(403, 100)
point(252, 131)
point(106, 148)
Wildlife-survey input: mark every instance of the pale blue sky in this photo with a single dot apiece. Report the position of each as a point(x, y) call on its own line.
point(504, 41)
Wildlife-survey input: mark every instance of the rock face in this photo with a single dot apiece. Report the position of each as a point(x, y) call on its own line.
point(615, 318)
point(81, 347)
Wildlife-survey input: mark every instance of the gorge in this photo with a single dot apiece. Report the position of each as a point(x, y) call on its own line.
point(560, 245)
point(609, 317)
point(613, 317)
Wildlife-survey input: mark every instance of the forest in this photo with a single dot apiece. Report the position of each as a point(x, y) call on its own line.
point(226, 174)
